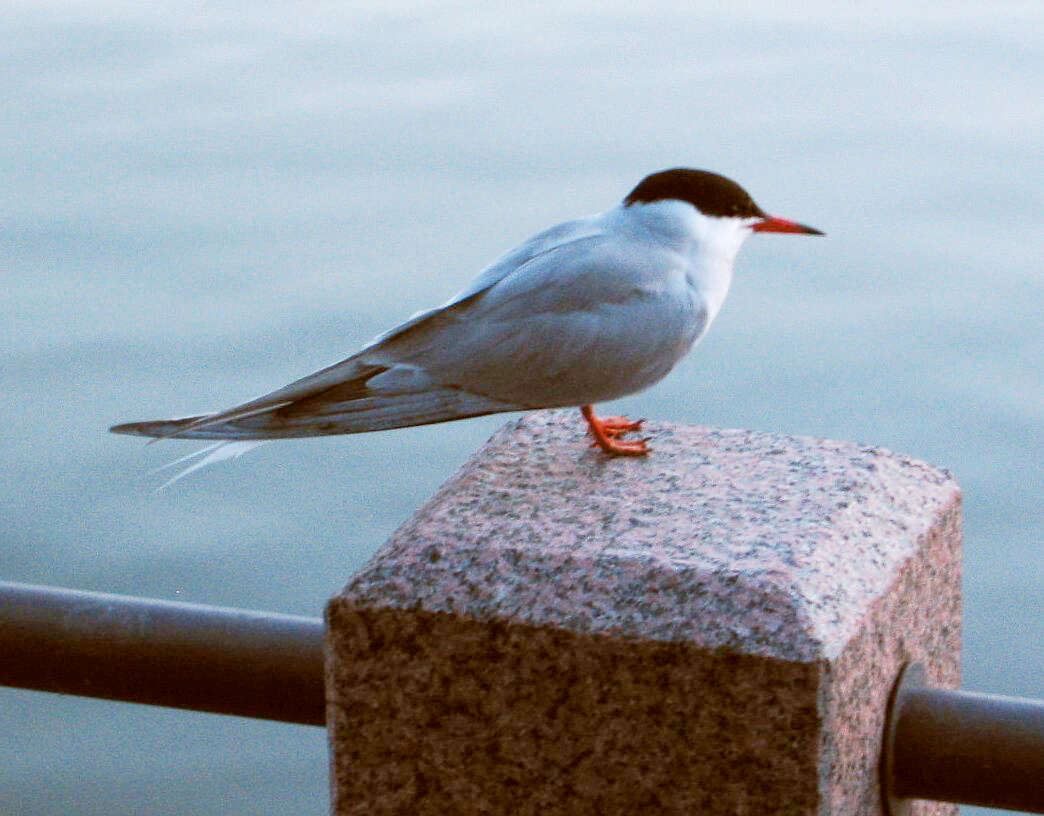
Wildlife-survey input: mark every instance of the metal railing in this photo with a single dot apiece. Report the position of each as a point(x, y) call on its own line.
point(140, 650)
point(956, 746)
point(951, 746)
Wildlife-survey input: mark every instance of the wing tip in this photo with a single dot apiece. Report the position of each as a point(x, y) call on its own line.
point(157, 428)
point(129, 428)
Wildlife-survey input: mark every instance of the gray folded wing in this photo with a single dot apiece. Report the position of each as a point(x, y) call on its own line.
point(571, 317)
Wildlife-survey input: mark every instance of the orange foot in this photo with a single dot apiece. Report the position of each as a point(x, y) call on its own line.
point(605, 433)
point(619, 425)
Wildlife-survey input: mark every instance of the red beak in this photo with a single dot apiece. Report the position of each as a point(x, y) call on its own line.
point(773, 224)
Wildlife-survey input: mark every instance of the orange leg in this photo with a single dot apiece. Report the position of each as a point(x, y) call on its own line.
point(605, 433)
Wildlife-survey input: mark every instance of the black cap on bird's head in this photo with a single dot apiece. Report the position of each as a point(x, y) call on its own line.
point(712, 194)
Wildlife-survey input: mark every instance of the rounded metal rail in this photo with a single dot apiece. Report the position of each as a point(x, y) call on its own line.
point(227, 661)
point(956, 746)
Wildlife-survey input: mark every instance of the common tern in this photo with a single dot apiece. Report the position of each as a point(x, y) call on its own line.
point(586, 311)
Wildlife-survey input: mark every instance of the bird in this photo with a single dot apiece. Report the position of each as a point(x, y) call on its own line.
point(584, 312)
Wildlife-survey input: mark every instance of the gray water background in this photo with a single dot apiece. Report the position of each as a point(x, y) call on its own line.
point(199, 203)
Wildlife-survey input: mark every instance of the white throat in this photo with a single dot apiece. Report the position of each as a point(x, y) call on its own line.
point(709, 244)
point(714, 242)
point(717, 243)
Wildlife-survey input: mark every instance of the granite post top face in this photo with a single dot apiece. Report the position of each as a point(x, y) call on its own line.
point(774, 545)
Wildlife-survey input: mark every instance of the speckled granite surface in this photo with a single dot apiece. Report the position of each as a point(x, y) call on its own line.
point(711, 629)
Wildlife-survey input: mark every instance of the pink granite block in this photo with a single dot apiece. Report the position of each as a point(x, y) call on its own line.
point(712, 629)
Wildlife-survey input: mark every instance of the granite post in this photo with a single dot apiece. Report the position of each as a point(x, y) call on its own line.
point(713, 629)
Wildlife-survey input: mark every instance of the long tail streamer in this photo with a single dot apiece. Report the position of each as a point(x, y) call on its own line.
point(218, 452)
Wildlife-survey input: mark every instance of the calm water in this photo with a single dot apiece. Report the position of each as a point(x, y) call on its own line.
point(201, 204)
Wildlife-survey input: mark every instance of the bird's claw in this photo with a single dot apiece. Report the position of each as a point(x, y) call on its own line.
point(618, 425)
point(607, 433)
point(617, 447)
